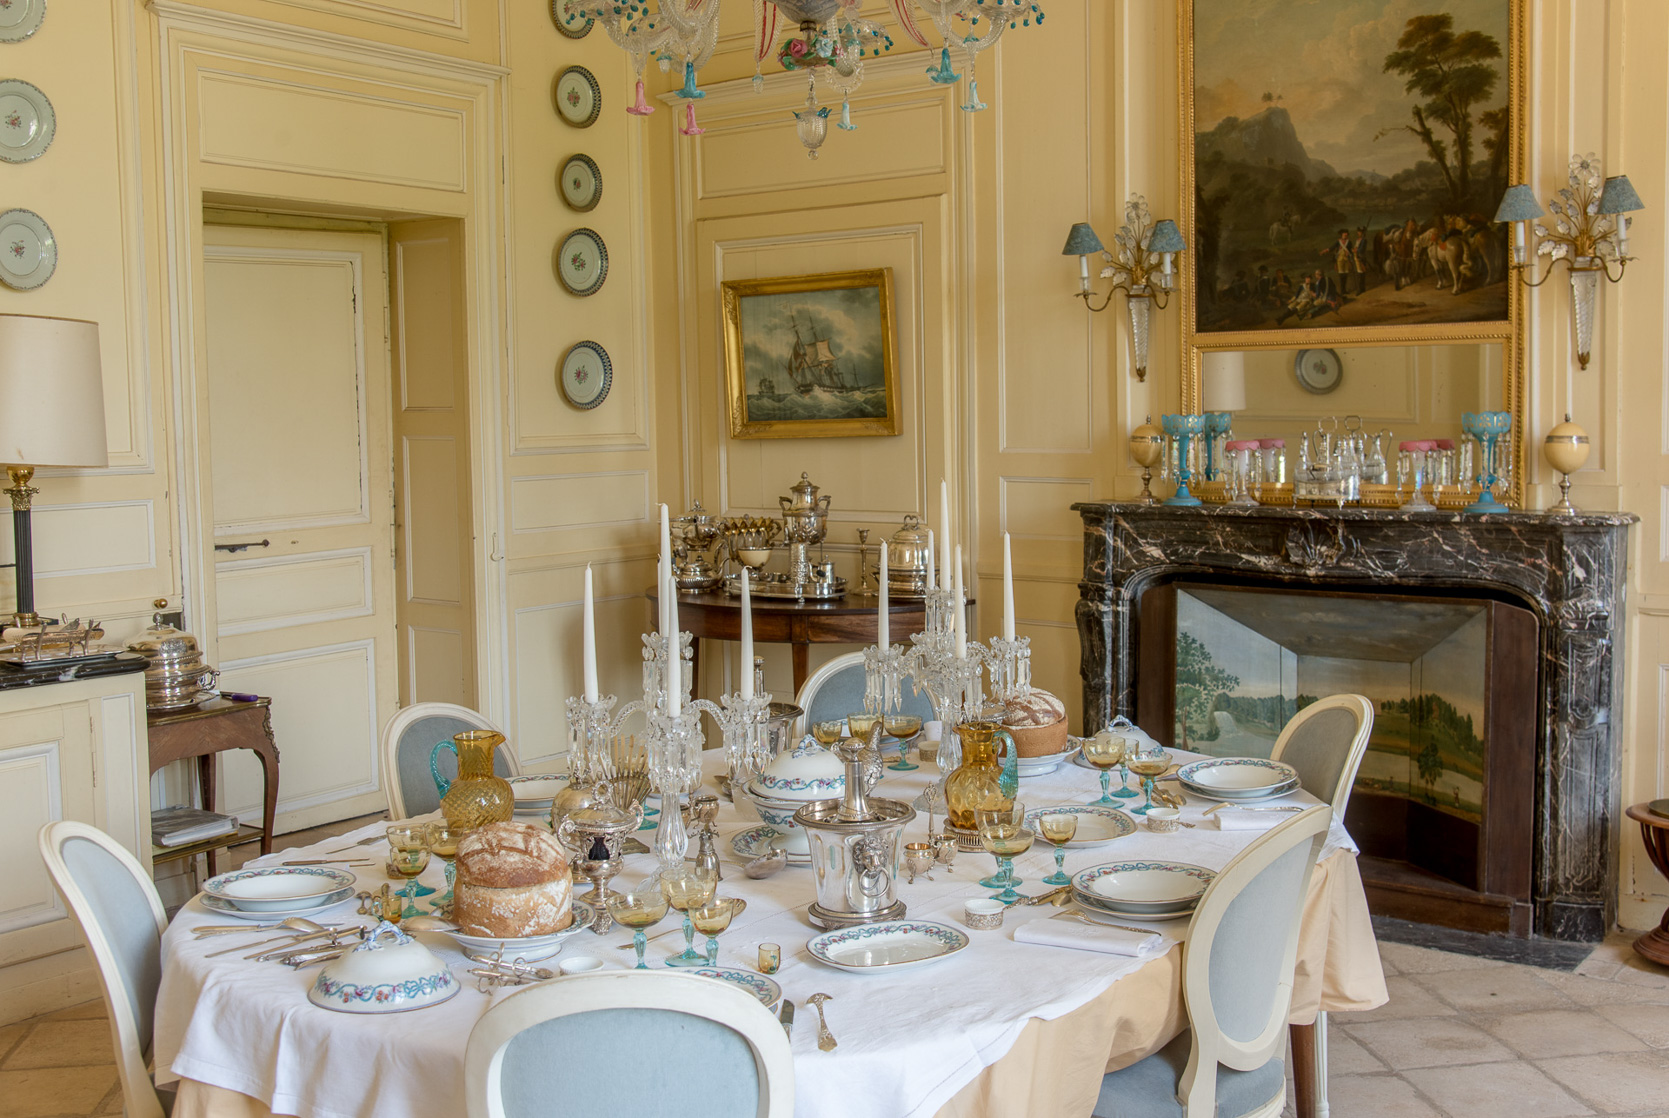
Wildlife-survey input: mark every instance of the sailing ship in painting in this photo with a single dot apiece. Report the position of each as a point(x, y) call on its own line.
point(813, 366)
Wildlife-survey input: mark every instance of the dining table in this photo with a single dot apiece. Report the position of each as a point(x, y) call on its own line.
point(999, 1028)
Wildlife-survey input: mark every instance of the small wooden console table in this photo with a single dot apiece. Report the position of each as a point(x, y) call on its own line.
point(1654, 830)
point(209, 728)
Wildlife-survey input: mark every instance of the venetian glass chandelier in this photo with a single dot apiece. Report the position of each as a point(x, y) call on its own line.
point(826, 40)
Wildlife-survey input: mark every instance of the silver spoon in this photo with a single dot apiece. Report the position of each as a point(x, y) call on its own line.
point(825, 1039)
point(766, 864)
point(294, 923)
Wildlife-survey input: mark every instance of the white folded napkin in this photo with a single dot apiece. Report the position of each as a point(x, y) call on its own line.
point(1089, 937)
point(1238, 819)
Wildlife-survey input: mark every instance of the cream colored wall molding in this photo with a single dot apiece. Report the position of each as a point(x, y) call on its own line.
point(454, 24)
point(350, 568)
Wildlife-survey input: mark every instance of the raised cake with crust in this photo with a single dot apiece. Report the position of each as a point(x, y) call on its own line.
point(512, 881)
point(1038, 723)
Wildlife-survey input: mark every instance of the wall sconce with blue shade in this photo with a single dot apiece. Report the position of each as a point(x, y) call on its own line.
point(1590, 232)
point(1142, 264)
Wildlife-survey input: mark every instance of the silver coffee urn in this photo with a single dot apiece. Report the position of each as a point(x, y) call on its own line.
point(856, 844)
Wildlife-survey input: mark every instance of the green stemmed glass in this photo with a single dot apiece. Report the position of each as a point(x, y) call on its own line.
point(1147, 765)
point(688, 887)
point(1105, 751)
point(904, 727)
point(1058, 829)
point(1003, 833)
point(639, 909)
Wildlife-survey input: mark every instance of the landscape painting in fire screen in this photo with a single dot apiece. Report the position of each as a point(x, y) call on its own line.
point(1248, 660)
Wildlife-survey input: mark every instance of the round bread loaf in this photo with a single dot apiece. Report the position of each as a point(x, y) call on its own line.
point(1038, 723)
point(512, 881)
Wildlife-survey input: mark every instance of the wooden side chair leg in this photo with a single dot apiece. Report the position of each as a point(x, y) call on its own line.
point(1309, 1068)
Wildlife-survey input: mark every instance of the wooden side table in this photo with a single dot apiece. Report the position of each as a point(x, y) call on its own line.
point(1654, 831)
point(209, 728)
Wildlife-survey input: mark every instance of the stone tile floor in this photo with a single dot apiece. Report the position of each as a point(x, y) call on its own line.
point(1462, 1037)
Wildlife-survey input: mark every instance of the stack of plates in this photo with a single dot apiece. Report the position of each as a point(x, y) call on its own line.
point(1096, 824)
point(528, 948)
point(1238, 780)
point(535, 793)
point(1154, 890)
point(277, 893)
point(1037, 766)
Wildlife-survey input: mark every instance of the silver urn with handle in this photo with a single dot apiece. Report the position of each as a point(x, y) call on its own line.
point(856, 846)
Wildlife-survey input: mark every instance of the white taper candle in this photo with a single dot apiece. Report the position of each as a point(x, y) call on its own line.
point(882, 628)
point(747, 637)
point(1008, 590)
point(674, 661)
point(588, 636)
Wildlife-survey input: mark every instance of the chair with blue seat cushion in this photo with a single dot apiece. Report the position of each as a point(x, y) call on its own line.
point(1237, 967)
point(643, 1040)
point(409, 739)
point(836, 689)
point(121, 918)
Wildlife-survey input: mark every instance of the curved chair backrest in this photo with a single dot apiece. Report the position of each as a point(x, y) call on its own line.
point(1325, 742)
point(121, 918)
point(407, 741)
point(1240, 953)
point(648, 1037)
point(836, 690)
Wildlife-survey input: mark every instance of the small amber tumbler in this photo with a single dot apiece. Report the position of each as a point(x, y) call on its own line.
point(770, 958)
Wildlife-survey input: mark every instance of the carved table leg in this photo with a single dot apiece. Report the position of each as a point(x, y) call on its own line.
point(1654, 945)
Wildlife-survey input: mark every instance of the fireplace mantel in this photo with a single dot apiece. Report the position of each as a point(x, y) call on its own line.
point(1569, 570)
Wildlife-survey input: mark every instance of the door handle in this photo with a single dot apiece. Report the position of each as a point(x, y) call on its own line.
point(241, 546)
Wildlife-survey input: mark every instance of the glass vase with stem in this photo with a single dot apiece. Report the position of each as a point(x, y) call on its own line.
point(1105, 751)
point(1003, 833)
point(443, 843)
point(409, 855)
point(711, 919)
point(1058, 828)
point(686, 887)
point(639, 909)
point(1148, 764)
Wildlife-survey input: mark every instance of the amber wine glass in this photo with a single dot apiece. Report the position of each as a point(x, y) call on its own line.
point(828, 732)
point(443, 844)
point(408, 861)
point(862, 723)
point(1147, 765)
point(710, 920)
point(638, 909)
point(904, 727)
point(1105, 751)
point(1003, 833)
point(686, 887)
point(1059, 829)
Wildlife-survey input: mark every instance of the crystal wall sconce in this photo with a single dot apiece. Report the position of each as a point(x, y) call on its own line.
point(1141, 264)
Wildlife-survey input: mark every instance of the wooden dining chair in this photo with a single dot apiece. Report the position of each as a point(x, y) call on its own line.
point(1325, 742)
point(121, 918)
point(647, 1039)
point(1237, 968)
point(407, 741)
point(836, 690)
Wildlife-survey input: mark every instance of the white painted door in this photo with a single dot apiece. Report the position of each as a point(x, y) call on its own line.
point(297, 436)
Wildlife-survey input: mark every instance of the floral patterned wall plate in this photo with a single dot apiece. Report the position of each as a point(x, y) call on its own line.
point(581, 183)
point(586, 375)
point(20, 19)
point(575, 28)
point(582, 262)
point(579, 99)
point(28, 253)
point(27, 122)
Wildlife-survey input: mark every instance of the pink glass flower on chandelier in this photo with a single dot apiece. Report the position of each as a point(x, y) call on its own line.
point(691, 128)
point(643, 107)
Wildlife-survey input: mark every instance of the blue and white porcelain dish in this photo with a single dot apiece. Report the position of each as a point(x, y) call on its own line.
point(1251, 798)
point(1089, 902)
point(309, 908)
point(890, 946)
point(779, 815)
point(806, 772)
point(756, 842)
point(1146, 886)
point(278, 887)
point(1096, 825)
point(761, 987)
point(529, 948)
point(389, 973)
point(1230, 776)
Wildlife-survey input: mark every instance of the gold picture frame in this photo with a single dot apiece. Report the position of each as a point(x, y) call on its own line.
point(1508, 332)
point(809, 357)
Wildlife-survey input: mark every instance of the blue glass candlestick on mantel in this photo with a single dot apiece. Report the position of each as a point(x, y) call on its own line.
point(1489, 428)
point(1183, 428)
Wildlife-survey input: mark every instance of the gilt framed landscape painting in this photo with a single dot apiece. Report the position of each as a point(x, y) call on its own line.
point(811, 356)
point(1342, 164)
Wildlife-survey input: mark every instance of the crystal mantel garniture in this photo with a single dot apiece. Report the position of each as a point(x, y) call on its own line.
point(826, 39)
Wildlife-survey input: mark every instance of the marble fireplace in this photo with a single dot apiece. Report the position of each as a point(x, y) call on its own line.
point(1521, 618)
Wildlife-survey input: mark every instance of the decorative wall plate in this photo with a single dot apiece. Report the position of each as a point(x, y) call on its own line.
point(28, 252)
point(577, 29)
point(581, 183)
point(20, 19)
point(586, 375)
point(1318, 370)
point(579, 99)
point(582, 262)
point(27, 122)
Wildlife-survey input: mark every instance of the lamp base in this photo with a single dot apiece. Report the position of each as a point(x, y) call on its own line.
point(1146, 496)
point(1563, 507)
point(23, 543)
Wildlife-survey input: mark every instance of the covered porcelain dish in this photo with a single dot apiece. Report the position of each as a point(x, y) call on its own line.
point(387, 973)
point(806, 772)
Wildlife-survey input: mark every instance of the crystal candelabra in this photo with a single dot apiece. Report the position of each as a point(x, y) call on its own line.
point(741, 721)
point(674, 768)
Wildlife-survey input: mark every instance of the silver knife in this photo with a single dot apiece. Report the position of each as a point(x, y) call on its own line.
point(786, 1016)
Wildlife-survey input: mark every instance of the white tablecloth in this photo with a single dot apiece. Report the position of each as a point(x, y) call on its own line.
point(908, 1041)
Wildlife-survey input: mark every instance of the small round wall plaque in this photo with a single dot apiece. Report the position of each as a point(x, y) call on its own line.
point(27, 122)
point(28, 251)
point(1318, 370)
point(579, 99)
point(582, 262)
point(581, 183)
point(20, 19)
point(586, 375)
point(573, 28)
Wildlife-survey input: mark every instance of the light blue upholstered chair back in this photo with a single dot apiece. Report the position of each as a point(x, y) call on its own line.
point(647, 1038)
point(112, 898)
point(1325, 742)
point(836, 690)
point(409, 739)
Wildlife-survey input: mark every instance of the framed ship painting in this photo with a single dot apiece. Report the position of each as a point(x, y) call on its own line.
point(811, 356)
point(1342, 164)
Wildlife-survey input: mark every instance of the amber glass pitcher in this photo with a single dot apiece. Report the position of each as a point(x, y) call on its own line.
point(980, 781)
point(478, 796)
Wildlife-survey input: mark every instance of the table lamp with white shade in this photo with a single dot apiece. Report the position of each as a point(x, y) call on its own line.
point(51, 414)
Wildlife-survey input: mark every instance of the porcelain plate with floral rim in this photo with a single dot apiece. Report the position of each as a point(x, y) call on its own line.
point(275, 887)
point(761, 987)
point(1151, 885)
point(1097, 825)
point(308, 908)
point(889, 946)
point(1237, 775)
point(756, 842)
point(530, 948)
